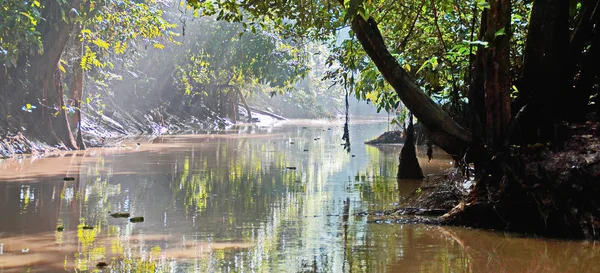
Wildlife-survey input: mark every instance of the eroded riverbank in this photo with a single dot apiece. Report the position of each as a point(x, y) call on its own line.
point(226, 202)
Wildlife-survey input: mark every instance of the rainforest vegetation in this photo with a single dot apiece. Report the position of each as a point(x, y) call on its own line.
point(508, 88)
point(109, 68)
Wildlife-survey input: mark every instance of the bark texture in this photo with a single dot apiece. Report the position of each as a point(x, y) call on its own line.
point(497, 73)
point(545, 71)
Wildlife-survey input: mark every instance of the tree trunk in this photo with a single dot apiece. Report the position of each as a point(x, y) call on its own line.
point(77, 88)
point(497, 73)
point(244, 101)
point(409, 167)
point(58, 122)
point(477, 100)
point(48, 121)
point(546, 67)
point(583, 64)
point(446, 133)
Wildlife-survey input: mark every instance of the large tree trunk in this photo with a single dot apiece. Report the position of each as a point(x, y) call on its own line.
point(48, 122)
point(446, 133)
point(545, 71)
point(583, 35)
point(497, 73)
point(55, 35)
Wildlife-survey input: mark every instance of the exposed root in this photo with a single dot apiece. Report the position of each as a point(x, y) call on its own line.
point(538, 191)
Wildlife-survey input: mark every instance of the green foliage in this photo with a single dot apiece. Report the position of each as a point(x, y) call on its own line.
point(226, 54)
point(18, 30)
point(434, 41)
point(118, 26)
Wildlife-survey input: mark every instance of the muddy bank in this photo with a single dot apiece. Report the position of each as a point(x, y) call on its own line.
point(112, 126)
point(436, 196)
point(537, 190)
point(540, 190)
point(398, 136)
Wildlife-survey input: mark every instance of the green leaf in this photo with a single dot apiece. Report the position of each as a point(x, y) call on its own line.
point(500, 32)
point(31, 19)
point(352, 9)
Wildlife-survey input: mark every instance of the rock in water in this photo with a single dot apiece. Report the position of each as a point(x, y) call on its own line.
point(138, 219)
point(120, 215)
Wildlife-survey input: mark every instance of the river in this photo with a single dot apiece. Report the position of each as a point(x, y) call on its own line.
point(227, 202)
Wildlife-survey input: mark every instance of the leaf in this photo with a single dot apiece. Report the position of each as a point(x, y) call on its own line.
point(62, 68)
point(31, 19)
point(159, 46)
point(434, 63)
point(352, 9)
point(500, 32)
point(423, 66)
point(86, 31)
point(406, 67)
point(101, 43)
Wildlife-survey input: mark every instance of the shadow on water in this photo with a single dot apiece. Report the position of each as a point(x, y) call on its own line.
point(230, 201)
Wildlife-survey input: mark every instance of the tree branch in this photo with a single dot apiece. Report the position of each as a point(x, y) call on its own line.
point(446, 133)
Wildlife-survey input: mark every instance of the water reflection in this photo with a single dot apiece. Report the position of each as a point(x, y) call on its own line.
point(227, 202)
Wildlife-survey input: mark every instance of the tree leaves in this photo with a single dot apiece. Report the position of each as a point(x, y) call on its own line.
point(352, 9)
point(18, 28)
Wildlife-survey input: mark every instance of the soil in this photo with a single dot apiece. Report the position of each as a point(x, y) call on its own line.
point(398, 137)
point(438, 194)
point(389, 137)
point(541, 189)
point(112, 127)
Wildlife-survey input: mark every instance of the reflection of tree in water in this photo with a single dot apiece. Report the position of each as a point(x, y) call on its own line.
point(346, 136)
point(223, 181)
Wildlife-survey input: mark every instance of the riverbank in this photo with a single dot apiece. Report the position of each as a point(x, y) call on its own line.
point(539, 190)
point(111, 128)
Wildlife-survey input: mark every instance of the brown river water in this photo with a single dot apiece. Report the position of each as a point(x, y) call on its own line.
point(225, 202)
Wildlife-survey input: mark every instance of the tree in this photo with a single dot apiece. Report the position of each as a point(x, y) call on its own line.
point(224, 59)
point(384, 27)
point(36, 34)
point(513, 72)
point(42, 86)
point(446, 133)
